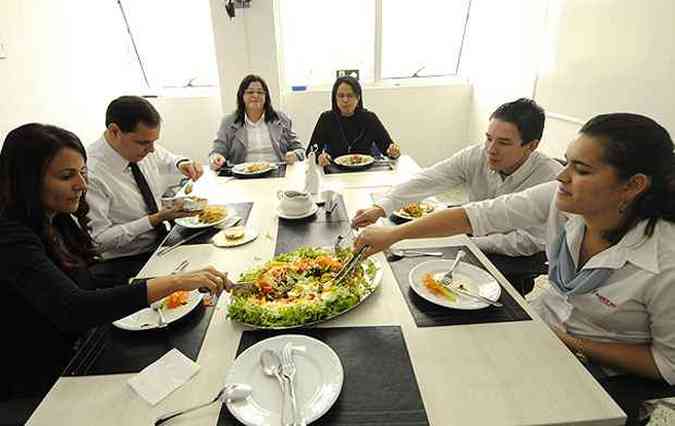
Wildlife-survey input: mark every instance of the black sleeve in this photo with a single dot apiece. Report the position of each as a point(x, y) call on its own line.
point(58, 298)
point(379, 134)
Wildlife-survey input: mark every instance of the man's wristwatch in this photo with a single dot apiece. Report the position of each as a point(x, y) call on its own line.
point(182, 160)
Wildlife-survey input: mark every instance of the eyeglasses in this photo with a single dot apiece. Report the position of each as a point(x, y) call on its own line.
point(254, 92)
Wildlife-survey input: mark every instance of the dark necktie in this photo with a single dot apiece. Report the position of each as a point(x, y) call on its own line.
point(146, 193)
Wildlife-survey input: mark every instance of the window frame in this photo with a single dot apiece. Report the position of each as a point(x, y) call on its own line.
point(187, 90)
point(378, 80)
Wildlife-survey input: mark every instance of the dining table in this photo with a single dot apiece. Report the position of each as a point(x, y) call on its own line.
point(512, 370)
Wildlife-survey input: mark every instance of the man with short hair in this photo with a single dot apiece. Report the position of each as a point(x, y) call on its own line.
point(128, 173)
point(507, 162)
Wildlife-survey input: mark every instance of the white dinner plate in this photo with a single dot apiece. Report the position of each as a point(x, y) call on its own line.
point(219, 239)
point(429, 208)
point(473, 278)
point(147, 319)
point(318, 381)
point(311, 211)
point(241, 169)
point(345, 161)
point(194, 223)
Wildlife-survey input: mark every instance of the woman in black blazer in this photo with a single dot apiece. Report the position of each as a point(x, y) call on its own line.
point(50, 298)
point(348, 128)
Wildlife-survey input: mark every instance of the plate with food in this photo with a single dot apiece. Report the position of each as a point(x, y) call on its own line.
point(354, 161)
point(189, 203)
point(297, 289)
point(174, 307)
point(253, 169)
point(211, 215)
point(234, 236)
point(425, 280)
point(414, 211)
point(317, 384)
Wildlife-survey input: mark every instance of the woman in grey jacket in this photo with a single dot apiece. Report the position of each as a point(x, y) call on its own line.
point(255, 131)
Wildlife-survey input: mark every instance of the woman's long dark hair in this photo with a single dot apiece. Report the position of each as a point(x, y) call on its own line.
point(270, 113)
point(25, 155)
point(356, 87)
point(636, 144)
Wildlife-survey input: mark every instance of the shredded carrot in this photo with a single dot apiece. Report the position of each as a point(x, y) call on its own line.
point(176, 299)
point(436, 288)
point(329, 262)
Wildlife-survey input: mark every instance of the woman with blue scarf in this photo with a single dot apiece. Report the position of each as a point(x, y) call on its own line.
point(609, 225)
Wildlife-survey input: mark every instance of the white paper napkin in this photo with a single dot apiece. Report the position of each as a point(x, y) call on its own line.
point(163, 376)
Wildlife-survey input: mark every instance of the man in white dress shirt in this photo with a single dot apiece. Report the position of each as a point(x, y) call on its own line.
point(507, 162)
point(128, 173)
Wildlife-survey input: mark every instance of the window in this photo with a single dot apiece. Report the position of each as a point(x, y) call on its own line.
point(320, 37)
point(172, 41)
point(383, 39)
point(422, 40)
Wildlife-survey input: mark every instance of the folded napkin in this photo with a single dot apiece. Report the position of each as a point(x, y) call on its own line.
point(163, 376)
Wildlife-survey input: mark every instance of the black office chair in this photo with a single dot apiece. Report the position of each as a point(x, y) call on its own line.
point(17, 411)
point(630, 392)
point(520, 271)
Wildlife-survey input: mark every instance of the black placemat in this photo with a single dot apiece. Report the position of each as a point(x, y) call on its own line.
point(292, 235)
point(279, 172)
point(379, 388)
point(178, 232)
point(110, 350)
point(378, 166)
point(427, 314)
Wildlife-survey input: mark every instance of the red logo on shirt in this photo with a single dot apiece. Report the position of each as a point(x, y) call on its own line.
point(605, 301)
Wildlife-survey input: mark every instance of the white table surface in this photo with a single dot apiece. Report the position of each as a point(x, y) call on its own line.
point(509, 373)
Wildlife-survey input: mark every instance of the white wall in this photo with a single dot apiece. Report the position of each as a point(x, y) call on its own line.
point(245, 45)
point(66, 61)
point(611, 55)
point(577, 58)
point(501, 55)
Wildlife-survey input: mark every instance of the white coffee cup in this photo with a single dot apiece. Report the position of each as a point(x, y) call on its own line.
point(294, 203)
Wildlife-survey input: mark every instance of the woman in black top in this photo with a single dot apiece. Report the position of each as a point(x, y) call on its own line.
point(49, 297)
point(348, 128)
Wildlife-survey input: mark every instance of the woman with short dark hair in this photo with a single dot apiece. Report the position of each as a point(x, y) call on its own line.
point(255, 131)
point(50, 298)
point(609, 226)
point(349, 128)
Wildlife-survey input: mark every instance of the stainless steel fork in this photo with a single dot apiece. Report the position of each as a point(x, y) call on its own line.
point(288, 370)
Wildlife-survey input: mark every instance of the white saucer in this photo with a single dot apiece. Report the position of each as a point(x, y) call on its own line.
point(219, 239)
point(311, 211)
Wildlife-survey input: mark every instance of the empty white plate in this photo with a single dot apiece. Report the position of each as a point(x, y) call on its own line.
point(318, 381)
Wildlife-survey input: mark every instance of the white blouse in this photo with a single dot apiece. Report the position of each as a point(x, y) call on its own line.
point(259, 141)
point(637, 305)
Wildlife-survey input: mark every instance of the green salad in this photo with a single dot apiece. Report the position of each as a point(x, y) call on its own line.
point(298, 287)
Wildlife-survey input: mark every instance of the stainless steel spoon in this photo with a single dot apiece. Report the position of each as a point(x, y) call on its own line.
point(157, 307)
point(271, 364)
point(231, 392)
